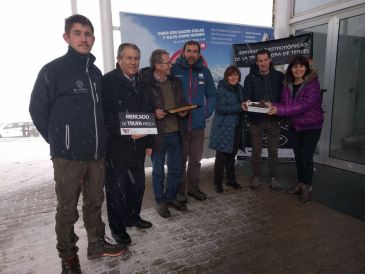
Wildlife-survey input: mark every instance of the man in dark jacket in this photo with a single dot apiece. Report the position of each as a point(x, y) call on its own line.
point(123, 92)
point(66, 109)
point(166, 94)
point(264, 84)
point(199, 89)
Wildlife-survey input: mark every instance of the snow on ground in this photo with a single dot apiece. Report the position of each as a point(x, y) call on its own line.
point(24, 161)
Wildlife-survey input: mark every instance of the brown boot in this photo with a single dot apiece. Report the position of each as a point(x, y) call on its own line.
point(296, 190)
point(306, 193)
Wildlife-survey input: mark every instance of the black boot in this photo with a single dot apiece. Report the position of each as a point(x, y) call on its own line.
point(306, 193)
point(233, 184)
point(218, 188)
point(296, 190)
point(71, 265)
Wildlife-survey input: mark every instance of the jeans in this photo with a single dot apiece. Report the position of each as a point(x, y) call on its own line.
point(73, 177)
point(171, 148)
point(304, 145)
point(272, 129)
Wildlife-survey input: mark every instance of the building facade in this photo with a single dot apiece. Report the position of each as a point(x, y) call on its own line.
point(338, 29)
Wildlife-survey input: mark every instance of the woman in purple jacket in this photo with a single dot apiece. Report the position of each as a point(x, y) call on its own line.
point(301, 101)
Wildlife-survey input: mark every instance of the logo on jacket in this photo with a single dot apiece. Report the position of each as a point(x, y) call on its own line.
point(80, 87)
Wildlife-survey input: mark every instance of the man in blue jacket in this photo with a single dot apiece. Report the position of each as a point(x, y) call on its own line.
point(66, 109)
point(199, 89)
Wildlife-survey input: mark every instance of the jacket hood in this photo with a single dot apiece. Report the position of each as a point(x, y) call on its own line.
point(180, 59)
point(310, 77)
point(222, 84)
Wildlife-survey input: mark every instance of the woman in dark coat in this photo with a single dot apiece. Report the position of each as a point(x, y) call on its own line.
point(301, 102)
point(226, 131)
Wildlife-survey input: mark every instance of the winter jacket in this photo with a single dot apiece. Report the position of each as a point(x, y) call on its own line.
point(66, 107)
point(158, 102)
point(120, 96)
point(199, 89)
point(254, 90)
point(227, 117)
point(305, 110)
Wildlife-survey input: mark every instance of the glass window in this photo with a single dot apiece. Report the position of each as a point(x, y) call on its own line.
point(302, 6)
point(348, 127)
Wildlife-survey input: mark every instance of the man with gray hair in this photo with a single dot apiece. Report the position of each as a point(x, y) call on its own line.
point(125, 176)
point(166, 94)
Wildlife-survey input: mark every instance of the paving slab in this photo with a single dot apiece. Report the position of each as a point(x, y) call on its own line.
point(239, 231)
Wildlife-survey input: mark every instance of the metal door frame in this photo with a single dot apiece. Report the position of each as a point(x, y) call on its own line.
point(333, 20)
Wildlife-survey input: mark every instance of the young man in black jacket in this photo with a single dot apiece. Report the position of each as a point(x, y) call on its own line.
point(264, 84)
point(66, 109)
point(125, 177)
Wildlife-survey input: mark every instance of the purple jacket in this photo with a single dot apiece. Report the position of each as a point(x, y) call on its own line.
point(305, 110)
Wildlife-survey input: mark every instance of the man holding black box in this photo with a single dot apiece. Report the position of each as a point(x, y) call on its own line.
point(168, 98)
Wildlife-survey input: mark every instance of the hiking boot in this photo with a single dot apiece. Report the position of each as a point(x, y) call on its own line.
point(102, 248)
point(162, 210)
point(181, 197)
point(197, 194)
point(123, 238)
point(177, 205)
point(218, 188)
point(233, 184)
point(274, 184)
point(305, 197)
point(296, 190)
point(255, 183)
point(71, 265)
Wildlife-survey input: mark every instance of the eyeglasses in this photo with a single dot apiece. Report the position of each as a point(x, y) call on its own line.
point(166, 63)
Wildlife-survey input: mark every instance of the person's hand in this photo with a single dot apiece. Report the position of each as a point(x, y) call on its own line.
point(269, 104)
point(160, 113)
point(182, 113)
point(245, 105)
point(148, 151)
point(273, 110)
point(137, 136)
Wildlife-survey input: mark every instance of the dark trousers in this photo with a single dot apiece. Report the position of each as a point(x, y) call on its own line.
point(171, 149)
point(226, 160)
point(272, 129)
point(71, 178)
point(304, 145)
point(192, 152)
point(124, 194)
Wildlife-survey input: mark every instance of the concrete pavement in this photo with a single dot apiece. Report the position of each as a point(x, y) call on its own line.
point(239, 231)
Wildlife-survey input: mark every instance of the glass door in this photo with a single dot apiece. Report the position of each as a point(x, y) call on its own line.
point(347, 140)
point(339, 56)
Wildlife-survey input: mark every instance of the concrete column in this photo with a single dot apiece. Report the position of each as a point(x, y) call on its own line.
point(73, 6)
point(106, 27)
point(282, 12)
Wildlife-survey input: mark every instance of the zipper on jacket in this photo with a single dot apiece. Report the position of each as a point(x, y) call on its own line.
point(96, 94)
point(67, 137)
point(190, 96)
point(94, 101)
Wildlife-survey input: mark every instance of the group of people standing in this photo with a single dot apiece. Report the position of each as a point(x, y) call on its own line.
point(76, 110)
